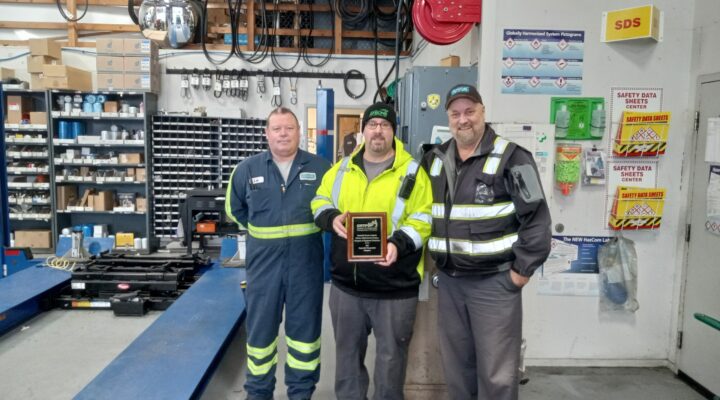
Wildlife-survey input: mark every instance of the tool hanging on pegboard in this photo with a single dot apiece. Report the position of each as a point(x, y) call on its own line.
point(277, 94)
point(444, 22)
point(184, 86)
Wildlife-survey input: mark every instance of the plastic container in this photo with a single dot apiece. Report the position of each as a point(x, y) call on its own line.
point(64, 131)
point(78, 129)
point(562, 121)
point(597, 122)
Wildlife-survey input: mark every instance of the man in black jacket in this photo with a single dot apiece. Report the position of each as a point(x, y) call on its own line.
point(491, 230)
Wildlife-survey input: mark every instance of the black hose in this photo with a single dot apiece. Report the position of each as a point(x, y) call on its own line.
point(64, 15)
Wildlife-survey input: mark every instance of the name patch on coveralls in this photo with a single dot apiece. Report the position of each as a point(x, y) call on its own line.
point(257, 179)
point(308, 176)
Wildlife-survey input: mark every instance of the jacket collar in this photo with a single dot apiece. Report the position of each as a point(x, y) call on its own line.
point(301, 158)
point(487, 143)
point(401, 156)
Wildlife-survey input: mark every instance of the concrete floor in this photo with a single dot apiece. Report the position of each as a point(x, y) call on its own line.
point(56, 354)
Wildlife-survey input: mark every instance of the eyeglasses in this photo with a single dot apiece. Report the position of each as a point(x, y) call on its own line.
point(374, 124)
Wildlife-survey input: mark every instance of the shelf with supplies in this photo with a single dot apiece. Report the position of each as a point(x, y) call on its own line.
point(196, 153)
point(27, 158)
point(100, 161)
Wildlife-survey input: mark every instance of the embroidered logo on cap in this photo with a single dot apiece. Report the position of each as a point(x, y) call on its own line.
point(381, 113)
point(461, 89)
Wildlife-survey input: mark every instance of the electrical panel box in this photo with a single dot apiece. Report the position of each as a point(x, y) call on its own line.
point(422, 93)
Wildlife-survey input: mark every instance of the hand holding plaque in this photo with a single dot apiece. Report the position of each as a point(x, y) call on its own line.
point(366, 236)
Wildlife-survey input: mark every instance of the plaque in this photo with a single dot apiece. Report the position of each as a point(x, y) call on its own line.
point(367, 236)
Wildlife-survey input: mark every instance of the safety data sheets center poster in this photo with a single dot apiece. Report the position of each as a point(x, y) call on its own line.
point(537, 61)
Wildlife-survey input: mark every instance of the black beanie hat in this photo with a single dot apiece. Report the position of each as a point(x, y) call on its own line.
point(380, 110)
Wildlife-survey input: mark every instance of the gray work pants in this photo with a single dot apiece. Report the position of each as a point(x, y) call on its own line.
point(353, 318)
point(480, 330)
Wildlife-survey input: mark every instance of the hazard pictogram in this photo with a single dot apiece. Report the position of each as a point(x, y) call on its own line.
point(534, 81)
point(509, 81)
point(561, 82)
point(509, 62)
point(535, 63)
point(561, 63)
point(535, 44)
point(562, 44)
point(510, 43)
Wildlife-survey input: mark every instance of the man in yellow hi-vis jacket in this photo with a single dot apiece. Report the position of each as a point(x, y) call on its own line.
point(381, 297)
point(270, 194)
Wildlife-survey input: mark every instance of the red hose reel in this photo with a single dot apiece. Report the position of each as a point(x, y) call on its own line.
point(445, 21)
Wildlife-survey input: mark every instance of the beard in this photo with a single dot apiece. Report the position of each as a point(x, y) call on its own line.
point(378, 145)
point(468, 135)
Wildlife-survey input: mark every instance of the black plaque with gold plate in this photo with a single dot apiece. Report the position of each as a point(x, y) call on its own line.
point(367, 236)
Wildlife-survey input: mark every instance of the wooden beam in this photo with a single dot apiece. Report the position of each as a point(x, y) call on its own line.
point(109, 27)
point(338, 34)
point(64, 26)
point(250, 25)
point(72, 25)
point(110, 3)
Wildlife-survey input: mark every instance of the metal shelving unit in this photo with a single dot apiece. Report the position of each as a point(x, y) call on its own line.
point(196, 153)
point(28, 162)
point(99, 156)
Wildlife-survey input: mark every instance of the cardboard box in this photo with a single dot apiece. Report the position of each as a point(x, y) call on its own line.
point(141, 204)
point(130, 158)
point(59, 70)
point(38, 117)
point(18, 108)
point(66, 195)
point(142, 82)
point(76, 79)
point(109, 63)
point(46, 47)
point(145, 47)
point(451, 61)
point(109, 46)
point(36, 239)
point(124, 239)
point(6, 73)
point(104, 200)
point(86, 200)
point(36, 63)
point(100, 230)
point(140, 174)
point(141, 64)
point(36, 82)
point(110, 106)
point(110, 81)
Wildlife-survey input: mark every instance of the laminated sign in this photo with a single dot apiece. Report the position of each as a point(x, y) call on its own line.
point(637, 208)
point(642, 134)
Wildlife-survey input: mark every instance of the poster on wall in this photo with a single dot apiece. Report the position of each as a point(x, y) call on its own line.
point(539, 139)
point(633, 99)
point(712, 146)
point(623, 172)
point(712, 218)
point(538, 61)
point(572, 267)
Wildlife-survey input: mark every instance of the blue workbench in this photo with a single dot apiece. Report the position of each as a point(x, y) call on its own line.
point(176, 356)
point(22, 294)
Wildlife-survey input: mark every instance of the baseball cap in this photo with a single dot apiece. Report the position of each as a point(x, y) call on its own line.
point(463, 91)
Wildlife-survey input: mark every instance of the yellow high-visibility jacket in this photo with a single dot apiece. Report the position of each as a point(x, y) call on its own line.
point(345, 188)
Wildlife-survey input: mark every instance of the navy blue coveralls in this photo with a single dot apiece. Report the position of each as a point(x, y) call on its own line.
point(284, 266)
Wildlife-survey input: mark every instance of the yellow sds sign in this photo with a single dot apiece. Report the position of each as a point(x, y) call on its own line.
point(632, 23)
